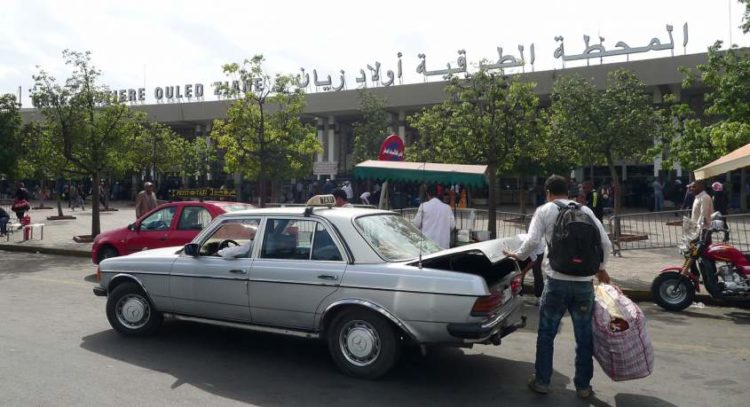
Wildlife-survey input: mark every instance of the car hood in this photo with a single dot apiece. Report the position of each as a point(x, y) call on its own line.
point(492, 249)
point(163, 253)
point(108, 234)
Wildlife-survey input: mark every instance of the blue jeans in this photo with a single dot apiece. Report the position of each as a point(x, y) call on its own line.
point(4, 225)
point(578, 299)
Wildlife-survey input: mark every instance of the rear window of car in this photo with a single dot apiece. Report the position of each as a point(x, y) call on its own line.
point(236, 207)
point(394, 238)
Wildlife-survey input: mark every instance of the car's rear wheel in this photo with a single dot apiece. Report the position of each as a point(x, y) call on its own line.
point(363, 344)
point(107, 252)
point(130, 312)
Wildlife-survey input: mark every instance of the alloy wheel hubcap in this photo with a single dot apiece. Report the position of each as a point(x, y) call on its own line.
point(360, 343)
point(674, 291)
point(133, 311)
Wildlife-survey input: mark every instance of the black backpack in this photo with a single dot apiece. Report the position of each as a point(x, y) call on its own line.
point(576, 246)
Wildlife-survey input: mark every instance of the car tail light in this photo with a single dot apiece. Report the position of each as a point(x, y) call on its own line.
point(484, 305)
point(98, 274)
point(516, 285)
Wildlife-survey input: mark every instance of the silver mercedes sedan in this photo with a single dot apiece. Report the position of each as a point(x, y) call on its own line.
point(364, 280)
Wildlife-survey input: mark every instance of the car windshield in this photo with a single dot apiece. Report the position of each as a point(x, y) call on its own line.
point(394, 238)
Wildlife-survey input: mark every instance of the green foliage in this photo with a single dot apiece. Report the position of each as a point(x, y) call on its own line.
point(82, 123)
point(746, 16)
point(197, 157)
point(263, 136)
point(10, 136)
point(155, 147)
point(485, 119)
point(692, 143)
point(372, 130)
point(617, 124)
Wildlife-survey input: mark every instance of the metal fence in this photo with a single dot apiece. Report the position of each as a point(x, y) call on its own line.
point(649, 230)
point(653, 230)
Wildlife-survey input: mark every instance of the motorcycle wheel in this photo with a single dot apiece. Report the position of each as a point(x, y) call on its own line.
point(673, 291)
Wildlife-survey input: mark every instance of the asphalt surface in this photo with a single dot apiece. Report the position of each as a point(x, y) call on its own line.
point(57, 349)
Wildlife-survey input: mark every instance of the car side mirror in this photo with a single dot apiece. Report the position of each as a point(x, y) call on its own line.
point(133, 226)
point(191, 249)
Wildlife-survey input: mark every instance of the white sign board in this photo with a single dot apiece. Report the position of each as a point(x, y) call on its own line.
point(325, 168)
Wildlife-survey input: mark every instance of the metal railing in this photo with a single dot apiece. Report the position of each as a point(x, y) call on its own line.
point(654, 230)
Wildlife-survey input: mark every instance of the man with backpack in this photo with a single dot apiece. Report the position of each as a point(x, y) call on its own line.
point(577, 250)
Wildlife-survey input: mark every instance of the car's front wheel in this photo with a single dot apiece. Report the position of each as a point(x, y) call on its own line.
point(130, 311)
point(106, 252)
point(363, 344)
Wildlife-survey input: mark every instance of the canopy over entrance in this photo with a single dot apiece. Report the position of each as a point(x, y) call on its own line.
point(738, 158)
point(404, 171)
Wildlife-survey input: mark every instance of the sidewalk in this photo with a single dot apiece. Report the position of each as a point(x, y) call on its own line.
point(634, 271)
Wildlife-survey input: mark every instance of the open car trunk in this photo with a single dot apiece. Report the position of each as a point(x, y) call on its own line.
point(485, 259)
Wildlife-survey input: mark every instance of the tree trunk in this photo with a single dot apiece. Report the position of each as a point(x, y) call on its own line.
point(743, 190)
point(491, 201)
point(522, 196)
point(58, 187)
point(618, 197)
point(95, 226)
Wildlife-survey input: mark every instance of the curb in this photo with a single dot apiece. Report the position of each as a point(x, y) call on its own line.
point(45, 250)
point(645, 296)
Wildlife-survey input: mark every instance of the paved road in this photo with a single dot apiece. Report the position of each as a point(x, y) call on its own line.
point(57, 349)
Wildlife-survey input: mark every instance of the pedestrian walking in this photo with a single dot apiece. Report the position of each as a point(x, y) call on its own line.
point(4, 219)
point(593, 200)
point(574, 256)
point(80, 197)
point(658, 187)
point(21, 204)
point(435, 219)
point(146, 200)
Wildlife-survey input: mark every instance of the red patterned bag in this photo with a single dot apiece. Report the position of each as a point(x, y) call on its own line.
point(622, 345)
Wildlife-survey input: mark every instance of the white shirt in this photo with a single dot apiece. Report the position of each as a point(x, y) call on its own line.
point(540, 230)
point(349, 192)
point(242, 250)
point(435, 220)
point(365, 197)
point(539, 249)
point(703, 207)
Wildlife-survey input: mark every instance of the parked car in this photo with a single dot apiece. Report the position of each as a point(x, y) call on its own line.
point(364, 280)
point(169, 224)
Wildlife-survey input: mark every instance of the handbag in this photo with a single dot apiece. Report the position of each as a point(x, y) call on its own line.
point(622, 345)
point(20, 205)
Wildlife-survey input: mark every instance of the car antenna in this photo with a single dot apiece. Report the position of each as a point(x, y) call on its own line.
point(421, 235)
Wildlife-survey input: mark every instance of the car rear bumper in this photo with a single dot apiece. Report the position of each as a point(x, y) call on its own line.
point(100, 291)
point(509, 319)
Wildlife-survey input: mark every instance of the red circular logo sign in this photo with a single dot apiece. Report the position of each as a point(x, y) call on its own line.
point(392, 149)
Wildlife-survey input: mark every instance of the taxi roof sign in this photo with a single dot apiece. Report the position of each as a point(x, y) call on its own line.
point(322, 200)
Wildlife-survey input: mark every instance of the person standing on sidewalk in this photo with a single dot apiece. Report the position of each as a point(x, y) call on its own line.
point(4, 219)
point(435, 219)
point(703, 206)
point(721, 205)
point(658, 194)
point(146, 200)
point(563, 290)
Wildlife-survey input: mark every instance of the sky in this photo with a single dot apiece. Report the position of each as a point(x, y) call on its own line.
point(160, 43)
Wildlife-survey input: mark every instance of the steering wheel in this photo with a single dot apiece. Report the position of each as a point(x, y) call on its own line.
point(225, 243)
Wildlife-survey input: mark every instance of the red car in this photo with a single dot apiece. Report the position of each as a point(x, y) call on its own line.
point(170, 224)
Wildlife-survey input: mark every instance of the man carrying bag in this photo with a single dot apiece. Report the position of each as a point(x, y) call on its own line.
point(577, 250)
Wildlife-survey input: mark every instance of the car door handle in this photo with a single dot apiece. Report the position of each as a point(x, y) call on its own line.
point(238, 271)
point(327, 277)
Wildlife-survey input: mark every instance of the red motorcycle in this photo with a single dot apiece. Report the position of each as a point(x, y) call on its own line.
point(722, 269)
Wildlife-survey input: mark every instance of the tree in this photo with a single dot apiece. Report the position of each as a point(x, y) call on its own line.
point(746, 16)
point(83, 123)
point(263, 136)
point(156, 148)
point(197, 158)
point(485, 119)
point(370, 132)
point(727, 114)
point(610, 126)
point(10, 135)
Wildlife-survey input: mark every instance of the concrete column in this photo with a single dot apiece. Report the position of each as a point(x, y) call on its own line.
point(319, 156)
point(332, 141)
point(391, 119)
point(624, 172)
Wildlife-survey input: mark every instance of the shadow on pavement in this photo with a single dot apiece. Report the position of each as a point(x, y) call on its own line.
point(270, 370)
point(683, 317)
point(637, 400)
